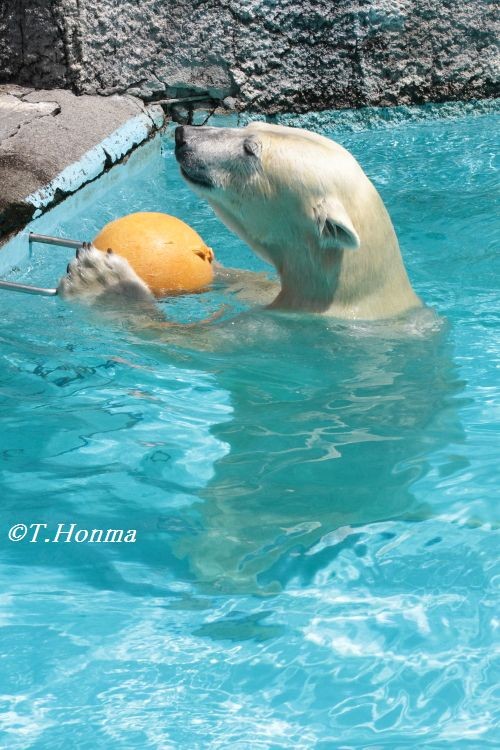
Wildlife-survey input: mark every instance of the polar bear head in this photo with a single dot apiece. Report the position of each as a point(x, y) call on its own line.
point(303, 203)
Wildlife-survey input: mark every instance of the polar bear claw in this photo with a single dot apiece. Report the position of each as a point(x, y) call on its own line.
point(97, 277)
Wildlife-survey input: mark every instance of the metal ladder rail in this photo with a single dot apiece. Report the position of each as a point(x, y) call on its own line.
point(45, 239)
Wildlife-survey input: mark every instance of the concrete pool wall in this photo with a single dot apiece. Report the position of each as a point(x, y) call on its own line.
point(17, 253)
point(53, 142)
point(260, 54)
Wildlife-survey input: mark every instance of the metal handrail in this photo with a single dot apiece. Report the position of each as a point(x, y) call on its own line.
point(27, 289)
point(13, 286)
point(46, 239)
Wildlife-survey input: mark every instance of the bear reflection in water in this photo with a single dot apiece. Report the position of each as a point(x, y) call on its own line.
point(333, 424)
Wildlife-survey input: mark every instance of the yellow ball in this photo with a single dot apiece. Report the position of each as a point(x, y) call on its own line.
point(164, 251)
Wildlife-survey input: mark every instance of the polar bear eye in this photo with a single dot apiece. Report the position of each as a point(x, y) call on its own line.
point(252, 147)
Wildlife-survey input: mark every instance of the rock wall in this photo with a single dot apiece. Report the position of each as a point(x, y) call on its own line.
point(269, 55)
point(31, 44)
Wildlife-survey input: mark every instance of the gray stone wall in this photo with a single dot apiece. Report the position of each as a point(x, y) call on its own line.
point(31, 43)
point(268, 55)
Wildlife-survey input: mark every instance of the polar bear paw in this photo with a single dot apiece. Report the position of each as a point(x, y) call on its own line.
point(97, 277)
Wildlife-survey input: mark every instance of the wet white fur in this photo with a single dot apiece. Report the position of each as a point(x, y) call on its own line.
point(309, 209)
point(97, 277)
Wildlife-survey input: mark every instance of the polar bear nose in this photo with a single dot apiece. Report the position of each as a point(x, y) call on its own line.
point(180, 136)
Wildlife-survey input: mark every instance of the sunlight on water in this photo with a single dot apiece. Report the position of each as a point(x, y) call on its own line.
point(315, 501)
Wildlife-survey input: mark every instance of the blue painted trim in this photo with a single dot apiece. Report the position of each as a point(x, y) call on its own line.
point(135, 131)
point(93, 162)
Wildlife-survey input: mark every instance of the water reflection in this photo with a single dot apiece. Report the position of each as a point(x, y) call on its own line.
point(332, 425)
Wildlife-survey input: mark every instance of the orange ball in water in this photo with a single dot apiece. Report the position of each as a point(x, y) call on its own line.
point(164, 251)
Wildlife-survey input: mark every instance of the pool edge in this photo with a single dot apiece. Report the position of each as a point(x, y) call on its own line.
point(95, 161)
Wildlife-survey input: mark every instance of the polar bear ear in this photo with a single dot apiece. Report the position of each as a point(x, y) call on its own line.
point(334, 225)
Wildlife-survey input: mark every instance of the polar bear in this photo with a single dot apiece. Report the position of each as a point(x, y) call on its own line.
point(302, 203)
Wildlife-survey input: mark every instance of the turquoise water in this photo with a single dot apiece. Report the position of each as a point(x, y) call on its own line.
point(316, 563)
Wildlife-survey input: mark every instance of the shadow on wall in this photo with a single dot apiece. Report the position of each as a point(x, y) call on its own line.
point(33, 49)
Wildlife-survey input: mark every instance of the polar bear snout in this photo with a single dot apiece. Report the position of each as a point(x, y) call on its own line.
point(180, 138)
point(193, 166)
point(216, 157)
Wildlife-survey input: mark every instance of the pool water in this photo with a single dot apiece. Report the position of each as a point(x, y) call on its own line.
point(316, 563)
